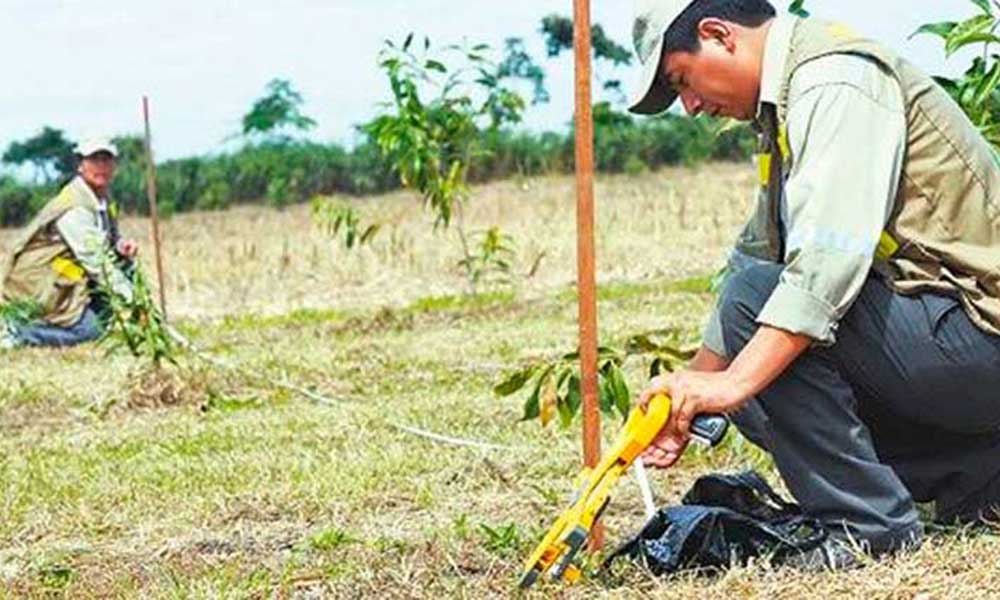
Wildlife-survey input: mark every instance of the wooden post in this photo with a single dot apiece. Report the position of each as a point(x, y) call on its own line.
point(586, 281)
point(154, 217)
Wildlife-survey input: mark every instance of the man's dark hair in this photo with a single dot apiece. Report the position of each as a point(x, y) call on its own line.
point(683, 34)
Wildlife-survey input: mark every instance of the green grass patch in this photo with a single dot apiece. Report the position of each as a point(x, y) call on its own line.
point(305, 317)
point(618, 291)
point(462, 302)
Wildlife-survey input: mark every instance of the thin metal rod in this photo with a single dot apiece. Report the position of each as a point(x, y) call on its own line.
point(645, 490)
point(154, 216)
point(586, 282)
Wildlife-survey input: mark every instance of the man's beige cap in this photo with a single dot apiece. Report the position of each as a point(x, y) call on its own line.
point(91, 146)
point(652, 20)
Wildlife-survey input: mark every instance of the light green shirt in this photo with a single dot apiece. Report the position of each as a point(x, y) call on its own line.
point(847, 139)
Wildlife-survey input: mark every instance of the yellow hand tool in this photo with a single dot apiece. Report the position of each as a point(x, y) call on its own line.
point(559, 548)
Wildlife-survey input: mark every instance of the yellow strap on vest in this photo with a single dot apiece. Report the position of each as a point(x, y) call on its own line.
point(887, 247)
point(764, 164)
point(786, 150)
point(68, 269)
point(764, 159)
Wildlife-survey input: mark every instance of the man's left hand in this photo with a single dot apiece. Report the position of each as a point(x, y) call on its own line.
point(128, 248)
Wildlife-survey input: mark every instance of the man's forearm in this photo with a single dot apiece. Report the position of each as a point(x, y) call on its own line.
point(770, 352)
point(707, 361)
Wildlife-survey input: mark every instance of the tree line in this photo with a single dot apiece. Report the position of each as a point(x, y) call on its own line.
point(277, 166)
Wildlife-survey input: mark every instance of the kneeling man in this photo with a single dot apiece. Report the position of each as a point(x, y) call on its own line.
point(857, 338)
point(64, 253)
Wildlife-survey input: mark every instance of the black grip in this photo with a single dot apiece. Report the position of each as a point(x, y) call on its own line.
point(710, 429)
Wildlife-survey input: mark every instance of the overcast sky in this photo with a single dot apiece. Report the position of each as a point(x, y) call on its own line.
point(83, 65)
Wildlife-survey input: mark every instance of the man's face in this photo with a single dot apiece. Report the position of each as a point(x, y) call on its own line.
point(98, 170)
point(722, 78)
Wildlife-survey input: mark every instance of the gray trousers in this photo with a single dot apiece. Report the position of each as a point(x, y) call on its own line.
point(904, 407)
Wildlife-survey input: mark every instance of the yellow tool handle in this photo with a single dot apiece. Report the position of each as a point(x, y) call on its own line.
point(567, 536)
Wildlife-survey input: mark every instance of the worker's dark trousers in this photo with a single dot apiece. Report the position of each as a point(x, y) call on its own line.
point(904, 407)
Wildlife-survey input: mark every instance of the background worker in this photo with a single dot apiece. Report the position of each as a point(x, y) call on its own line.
point(857, 338)
point(61, 257)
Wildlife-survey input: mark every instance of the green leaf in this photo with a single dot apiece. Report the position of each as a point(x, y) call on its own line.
point(564, 375)
point(571, 356)
point(797, 8)
point(657, 367)
point(987, 85)
point(968, 32)
point(942, 30)
point(532, 407)
point(369, 233)
point(972, 38)
point(515, 382)
point(406, 44)
point(619, 387)
point(606, 394)
point(433, 65)
point(574, 395)
point(984, 5)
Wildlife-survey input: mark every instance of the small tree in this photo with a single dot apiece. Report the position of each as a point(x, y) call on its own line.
point(431, 143)
point(277, 114)
point(135, 323)
point(334, 217)
point(49, 152)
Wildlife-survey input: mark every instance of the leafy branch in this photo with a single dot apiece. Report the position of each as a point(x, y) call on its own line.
point(976, 90)
point(492, 259)
point(555, 383)
point(135, 323)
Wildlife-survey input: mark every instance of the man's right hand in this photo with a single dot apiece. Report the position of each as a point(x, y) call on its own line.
point(669, 446)
point(128, 249)
point(665, 450)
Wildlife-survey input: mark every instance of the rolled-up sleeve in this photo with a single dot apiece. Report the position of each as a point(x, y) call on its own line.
point(847, 138)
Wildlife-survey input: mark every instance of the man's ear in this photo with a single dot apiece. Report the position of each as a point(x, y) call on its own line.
point(712, 29)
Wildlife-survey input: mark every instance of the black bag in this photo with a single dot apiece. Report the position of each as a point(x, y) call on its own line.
point(724, 520)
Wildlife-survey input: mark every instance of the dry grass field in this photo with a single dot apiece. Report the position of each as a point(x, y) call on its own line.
point(201, 482)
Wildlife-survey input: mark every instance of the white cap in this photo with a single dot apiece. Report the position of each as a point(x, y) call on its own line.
point(652, 20)
point(94, 145)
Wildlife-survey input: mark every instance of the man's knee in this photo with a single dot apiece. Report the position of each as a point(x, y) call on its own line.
point(743, 298)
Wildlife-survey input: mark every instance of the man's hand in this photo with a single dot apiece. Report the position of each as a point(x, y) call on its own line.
point(691, 393)
point(128, 248)
point(723, 390)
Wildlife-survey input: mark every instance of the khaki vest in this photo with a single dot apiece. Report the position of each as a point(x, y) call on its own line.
point(944, 232)
point(42, 268)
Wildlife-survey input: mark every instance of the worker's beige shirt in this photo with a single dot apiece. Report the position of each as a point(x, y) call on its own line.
point(847, 137)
